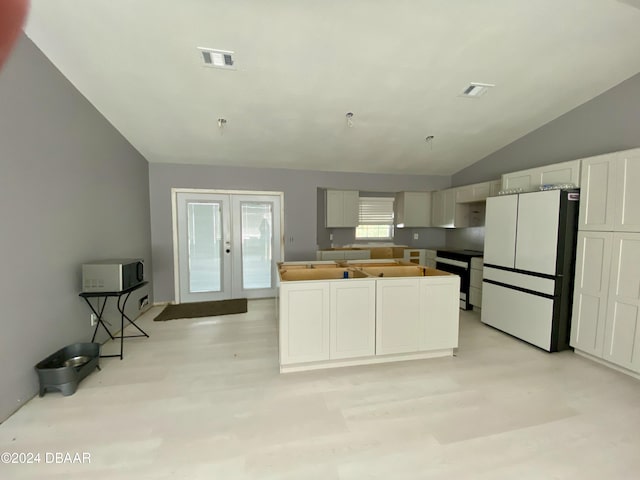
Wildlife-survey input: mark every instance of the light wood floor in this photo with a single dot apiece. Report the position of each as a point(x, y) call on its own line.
point(203, 399)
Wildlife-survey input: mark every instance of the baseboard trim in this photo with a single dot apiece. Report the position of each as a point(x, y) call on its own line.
point(352, 362)
point(612, 366)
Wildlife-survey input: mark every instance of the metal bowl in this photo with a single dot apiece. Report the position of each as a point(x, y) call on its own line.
point(77, 361)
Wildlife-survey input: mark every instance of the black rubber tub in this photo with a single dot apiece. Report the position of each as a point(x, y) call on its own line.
point(64, 369)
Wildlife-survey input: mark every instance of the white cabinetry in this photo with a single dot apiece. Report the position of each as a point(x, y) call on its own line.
point(397, 322)
point(335, 322)
point(439, 303)
point(415, 255)
point(462, 207)
point(597, 204)
point(420, 256)
point(610, 197)
point(430, 258)
point(606, 309)
point(530, 180)
point(477, 192)
point(627, 205)
point(414, 314)
point(352, 319)
point(342, 208)
point(495, 187)
point(438, 201)
point(413, 209)
point(326, 320)
point(593, 260)
point(446, 212)
point(304, 322)
point(622, 329)
point(524, 181)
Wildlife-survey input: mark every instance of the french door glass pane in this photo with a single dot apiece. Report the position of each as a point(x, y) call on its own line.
point(257, 238)
point(205, 247)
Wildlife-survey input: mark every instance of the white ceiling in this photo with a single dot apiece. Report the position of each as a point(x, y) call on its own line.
point(398, 65)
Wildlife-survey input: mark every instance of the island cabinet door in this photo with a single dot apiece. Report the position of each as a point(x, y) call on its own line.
point(353, 318)
point(397, 313)
point(304, 322)
point(439, 312)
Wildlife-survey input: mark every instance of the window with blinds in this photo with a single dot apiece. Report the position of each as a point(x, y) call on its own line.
point(375, 218)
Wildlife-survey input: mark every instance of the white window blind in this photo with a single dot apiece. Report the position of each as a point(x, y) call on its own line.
point(375, 218)
point(376, 211)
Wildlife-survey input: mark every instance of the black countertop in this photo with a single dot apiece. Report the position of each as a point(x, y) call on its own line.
point(459, 254)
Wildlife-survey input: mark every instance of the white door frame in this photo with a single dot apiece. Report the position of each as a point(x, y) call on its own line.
point(174, 223)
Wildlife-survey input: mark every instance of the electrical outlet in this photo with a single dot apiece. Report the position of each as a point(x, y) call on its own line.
point(415, 236)
point(94, 319)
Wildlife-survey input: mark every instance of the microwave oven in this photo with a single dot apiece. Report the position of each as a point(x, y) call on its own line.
point(112, 275)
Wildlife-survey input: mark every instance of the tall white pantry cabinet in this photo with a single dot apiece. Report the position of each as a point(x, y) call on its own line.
point(606, 304)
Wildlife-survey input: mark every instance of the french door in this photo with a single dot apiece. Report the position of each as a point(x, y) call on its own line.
point(228, 245)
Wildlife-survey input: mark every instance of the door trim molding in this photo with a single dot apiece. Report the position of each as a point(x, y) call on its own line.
point(174, 223)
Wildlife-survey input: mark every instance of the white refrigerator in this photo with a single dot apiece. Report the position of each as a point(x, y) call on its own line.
point(529, 260)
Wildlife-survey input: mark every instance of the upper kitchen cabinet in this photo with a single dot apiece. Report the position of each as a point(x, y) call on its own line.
point(627, 191)
point(413, 209)
point(342, 208)
point(530, 180)
point(477, 192)
point(446, 211)
point(495, 187)
point(597, 195)
point(610, 195)
point(462, 207)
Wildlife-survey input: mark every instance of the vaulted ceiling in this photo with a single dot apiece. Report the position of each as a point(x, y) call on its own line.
point(300, 66)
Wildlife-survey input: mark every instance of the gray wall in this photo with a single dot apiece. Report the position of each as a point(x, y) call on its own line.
point(72, 189)
point(300, 204)
point(465, 238)
point(607, 123)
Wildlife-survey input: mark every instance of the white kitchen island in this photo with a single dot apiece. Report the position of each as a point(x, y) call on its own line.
point(380, 313)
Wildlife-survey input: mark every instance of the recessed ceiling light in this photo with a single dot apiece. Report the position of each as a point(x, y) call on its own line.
point(217, 58)
point(475, 90)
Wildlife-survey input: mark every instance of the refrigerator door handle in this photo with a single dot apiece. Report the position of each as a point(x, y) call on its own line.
point(519, 289)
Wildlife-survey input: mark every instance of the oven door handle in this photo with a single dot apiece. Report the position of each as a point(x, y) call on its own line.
point(455, 263)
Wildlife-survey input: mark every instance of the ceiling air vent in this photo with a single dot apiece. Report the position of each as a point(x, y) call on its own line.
point(475, 90)
point(217, 58)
